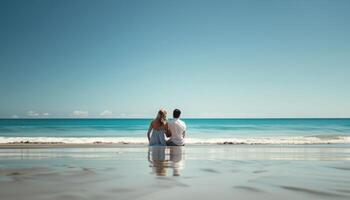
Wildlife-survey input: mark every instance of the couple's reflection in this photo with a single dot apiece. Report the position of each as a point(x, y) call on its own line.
point(163, 158)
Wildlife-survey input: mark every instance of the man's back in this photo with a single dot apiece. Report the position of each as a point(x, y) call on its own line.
point(177, 128)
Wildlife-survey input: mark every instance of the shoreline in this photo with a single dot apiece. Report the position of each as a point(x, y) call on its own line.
point(249, 140)
point(128, 145)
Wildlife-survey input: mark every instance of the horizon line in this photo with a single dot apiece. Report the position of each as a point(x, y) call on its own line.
point(19, 118)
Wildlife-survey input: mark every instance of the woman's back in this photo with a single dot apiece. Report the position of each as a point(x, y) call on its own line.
point(158, 133)
point(159, 128)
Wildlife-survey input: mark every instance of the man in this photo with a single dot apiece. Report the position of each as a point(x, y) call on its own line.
point(178, 129)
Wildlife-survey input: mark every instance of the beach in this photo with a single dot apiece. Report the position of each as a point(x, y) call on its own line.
point(32, 171)
point(222, 159)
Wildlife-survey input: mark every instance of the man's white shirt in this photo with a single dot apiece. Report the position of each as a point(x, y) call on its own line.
point(177, 128)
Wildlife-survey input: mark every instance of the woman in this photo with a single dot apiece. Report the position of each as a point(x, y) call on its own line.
point(159, 128)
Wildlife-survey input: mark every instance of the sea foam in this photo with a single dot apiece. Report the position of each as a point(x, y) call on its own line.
point(142, 140)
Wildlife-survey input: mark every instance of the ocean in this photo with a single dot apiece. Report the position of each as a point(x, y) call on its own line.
point(200, 131)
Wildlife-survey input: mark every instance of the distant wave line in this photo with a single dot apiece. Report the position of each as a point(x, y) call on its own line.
point(142, 140)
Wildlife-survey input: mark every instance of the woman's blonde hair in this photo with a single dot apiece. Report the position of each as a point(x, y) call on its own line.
point(161, 116)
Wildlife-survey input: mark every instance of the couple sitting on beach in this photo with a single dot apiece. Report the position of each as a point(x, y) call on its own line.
point(160, 128)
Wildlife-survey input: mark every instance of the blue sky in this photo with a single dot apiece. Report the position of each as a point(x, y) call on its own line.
point(83, 58)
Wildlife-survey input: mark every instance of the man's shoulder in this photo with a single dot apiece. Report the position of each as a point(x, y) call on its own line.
point(182, 123)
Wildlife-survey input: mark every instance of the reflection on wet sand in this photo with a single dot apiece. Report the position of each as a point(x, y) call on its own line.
point(163, 158)
point(244, 172)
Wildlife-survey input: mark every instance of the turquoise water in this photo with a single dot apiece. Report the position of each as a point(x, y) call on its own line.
point(199, 130)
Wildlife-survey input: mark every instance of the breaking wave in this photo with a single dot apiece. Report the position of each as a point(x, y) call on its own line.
point(330, 139)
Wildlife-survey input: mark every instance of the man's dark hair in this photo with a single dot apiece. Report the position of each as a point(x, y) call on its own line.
point(176, 113)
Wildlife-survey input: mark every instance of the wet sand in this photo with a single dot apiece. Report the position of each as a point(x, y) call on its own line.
point(60, 172)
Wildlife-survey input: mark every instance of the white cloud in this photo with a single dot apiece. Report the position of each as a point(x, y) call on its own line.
point(106, 113)
point(33, 114)
point(14, 116)
point(80, 113)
